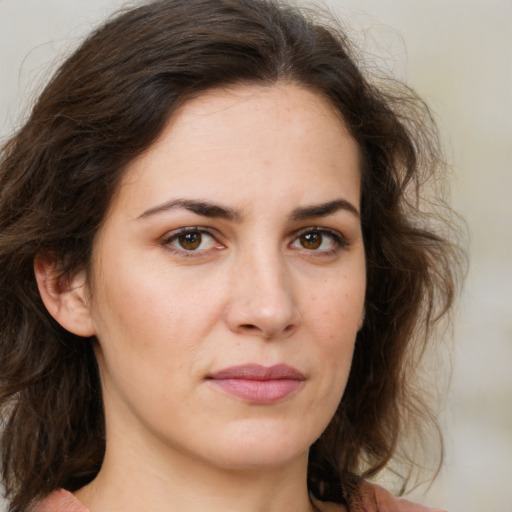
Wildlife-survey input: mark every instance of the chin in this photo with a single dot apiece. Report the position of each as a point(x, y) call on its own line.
point(260, 459)
point(251, 446)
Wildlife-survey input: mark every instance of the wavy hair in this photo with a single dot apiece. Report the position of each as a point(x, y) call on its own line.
point(108, 103)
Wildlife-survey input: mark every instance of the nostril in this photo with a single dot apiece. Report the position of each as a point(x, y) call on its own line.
point(248, 327)
point(251, 328)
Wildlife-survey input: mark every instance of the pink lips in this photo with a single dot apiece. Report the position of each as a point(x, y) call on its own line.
point(258, 384)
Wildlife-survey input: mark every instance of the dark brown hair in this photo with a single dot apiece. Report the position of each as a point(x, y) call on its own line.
point(106, 104)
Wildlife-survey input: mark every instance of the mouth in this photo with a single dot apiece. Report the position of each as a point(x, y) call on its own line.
point(257, 384)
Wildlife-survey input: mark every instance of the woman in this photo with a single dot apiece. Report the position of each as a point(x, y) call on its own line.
point(216, 276)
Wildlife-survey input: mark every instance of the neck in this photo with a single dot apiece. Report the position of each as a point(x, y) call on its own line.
point(162, 480)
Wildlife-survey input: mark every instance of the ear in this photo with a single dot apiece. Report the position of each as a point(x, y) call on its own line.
point(65, 299)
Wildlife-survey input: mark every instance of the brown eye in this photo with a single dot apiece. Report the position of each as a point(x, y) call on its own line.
point(319, 241)
point(311, 240)
point(190, 241)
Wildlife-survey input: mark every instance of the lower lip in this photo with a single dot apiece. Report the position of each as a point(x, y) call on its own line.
point(258, 392)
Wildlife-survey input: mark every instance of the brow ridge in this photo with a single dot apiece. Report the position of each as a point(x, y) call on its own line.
point(204, 208)
point(323, 210)
point(209, 209)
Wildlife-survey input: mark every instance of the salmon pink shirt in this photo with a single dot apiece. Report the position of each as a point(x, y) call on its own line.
point(366, 497)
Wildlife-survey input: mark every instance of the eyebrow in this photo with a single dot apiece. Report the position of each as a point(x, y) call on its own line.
point(323, 210)
point(204, 208)
point(209, 209)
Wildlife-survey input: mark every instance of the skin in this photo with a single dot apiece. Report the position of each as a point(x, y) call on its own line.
point(168, 312)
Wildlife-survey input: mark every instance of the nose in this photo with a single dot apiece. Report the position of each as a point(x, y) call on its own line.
point(262, 302)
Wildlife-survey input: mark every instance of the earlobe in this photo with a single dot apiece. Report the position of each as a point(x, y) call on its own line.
point(65, 299)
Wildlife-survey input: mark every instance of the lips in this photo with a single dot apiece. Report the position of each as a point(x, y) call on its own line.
point(257, 384)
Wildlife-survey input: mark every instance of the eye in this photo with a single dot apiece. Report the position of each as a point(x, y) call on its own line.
point(319, 240)
point(190, 240)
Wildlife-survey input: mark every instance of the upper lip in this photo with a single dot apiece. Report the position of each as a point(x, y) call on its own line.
point(259, 372)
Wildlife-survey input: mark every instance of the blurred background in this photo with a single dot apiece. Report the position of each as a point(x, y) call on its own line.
point(457, 54)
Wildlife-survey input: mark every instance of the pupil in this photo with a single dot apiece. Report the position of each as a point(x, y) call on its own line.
point(311, 240)
point(190, 241)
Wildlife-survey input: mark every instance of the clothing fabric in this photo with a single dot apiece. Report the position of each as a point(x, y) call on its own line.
point(365, 498)
point(369, 497)
point(60, 501)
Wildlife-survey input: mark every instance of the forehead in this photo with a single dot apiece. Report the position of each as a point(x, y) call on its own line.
point(280, 141)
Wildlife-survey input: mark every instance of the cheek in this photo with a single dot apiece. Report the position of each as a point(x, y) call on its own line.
point(334, 320)
point(147, 343)
point(154, 316)
point(337, 311)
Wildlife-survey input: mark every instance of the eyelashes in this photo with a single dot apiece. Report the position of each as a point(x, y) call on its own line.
point(199, 241)
point(322, 240)
point(191, 241)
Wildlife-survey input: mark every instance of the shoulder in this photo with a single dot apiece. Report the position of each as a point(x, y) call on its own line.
point(59, 501)
point(367, 497)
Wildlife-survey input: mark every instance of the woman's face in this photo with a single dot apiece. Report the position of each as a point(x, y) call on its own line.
point(228, 280)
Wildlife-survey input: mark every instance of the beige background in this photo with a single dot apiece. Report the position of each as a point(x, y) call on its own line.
point(458, 55)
